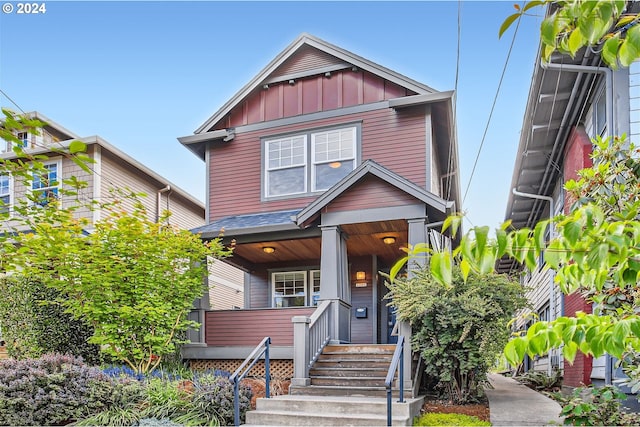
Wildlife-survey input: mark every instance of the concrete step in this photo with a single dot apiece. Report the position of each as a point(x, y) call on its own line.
point(339, 381)
point(328, 362)
point(328, 390)
point(361, 348)
point(331, 411)
point(363, 357)
point(341, 371)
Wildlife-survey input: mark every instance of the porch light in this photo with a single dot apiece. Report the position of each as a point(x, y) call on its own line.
point(335, 165)
point(269, 249)
point(389, 240)
point(361, 275)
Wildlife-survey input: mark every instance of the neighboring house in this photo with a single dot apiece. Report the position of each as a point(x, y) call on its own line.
point(570, 102)
point(319, 171)
point(112, 169)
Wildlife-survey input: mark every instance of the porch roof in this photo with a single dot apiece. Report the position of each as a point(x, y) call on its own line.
point(263, 222)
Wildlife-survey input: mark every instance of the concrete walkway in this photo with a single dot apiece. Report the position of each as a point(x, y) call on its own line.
point(514, 404)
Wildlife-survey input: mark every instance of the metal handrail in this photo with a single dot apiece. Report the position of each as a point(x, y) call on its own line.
point(240, 373)
point(396, 361)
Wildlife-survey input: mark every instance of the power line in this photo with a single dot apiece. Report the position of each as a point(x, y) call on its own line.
point(495, 99)
point(12, 101)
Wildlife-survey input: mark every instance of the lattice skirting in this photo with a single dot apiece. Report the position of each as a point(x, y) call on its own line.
point(280, 369)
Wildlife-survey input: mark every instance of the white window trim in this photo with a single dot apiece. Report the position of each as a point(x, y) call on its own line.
point(314, 163)
point(268, 169)
point(9, 193)
point(308, 285)
point(309, 171)
point(58, 163)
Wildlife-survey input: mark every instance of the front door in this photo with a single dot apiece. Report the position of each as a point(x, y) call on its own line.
point(391, 322)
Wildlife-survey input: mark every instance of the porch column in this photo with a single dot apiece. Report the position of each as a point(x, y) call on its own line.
point(417, 234)
point(334, 283)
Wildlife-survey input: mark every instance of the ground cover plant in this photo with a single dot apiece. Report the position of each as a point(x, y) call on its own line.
point(438, 419)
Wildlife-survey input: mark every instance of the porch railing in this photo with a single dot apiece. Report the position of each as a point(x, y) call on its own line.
point(310, 335)
point(397, 363)
point(318, 331)
point(241, 372)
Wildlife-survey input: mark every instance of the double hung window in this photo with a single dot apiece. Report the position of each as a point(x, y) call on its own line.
point(5, 193)
point(46, 184)
point(295, 288)
point(309, 162)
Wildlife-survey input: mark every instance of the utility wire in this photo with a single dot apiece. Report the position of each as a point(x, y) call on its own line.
point(450, 176)
point(495, 99)
point(12, 101)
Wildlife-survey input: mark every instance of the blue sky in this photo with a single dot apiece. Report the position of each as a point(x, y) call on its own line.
point(141, 74)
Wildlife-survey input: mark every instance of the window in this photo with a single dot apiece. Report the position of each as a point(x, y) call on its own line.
point(5, 193)
point(310, 162)
point(45, 184)
point(295, 288)
point(24, 138)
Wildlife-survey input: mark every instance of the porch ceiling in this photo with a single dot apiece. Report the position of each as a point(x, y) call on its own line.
point(363, 239)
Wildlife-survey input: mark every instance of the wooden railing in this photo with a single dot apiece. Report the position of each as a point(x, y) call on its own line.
point(310, 335)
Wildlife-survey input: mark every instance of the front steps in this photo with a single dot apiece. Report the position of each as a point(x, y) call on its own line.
point(346, 389)
point(295, 410)
point(357, 370)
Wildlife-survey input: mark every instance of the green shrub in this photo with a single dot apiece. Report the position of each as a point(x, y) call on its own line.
point(33, 324)
point(437, 419)
point(539, 380)
point(459, 330)
point(53, 389)
point(594, 406)
point(167, 399)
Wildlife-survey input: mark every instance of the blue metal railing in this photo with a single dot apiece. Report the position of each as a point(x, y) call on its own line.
point(241, 372)
point(396, 362)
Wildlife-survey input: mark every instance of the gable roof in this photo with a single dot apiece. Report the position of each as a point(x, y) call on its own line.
point(304, 40)
point(370, 167)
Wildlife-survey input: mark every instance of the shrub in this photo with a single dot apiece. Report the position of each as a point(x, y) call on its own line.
point(437, 419)
point(592, 406)
point(540, 381)
point(33, 324)
point(53, 389)
point(459, 330)
point(167, 399)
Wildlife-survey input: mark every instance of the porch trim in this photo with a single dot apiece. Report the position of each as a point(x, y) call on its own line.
point(371, 215)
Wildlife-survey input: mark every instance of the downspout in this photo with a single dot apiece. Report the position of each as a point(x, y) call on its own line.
point(159, 203)
point(608, 75)
point(552, 294)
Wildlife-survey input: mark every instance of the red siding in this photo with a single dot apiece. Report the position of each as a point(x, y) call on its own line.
point(306, 58)
point(371, 193)
point(576, 157)
point(396, 140)
point(249, 327)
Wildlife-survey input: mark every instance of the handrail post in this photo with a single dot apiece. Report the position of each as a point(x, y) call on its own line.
point(401, 375)
point(301, 354)
point(267, 374)
point(236, 403)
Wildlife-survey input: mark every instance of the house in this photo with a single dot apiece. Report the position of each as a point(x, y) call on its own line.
point(113, 169)
point(571, 101)
point(319, 170)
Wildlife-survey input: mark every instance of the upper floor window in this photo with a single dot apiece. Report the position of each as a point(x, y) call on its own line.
point(310, 162)
point(46, 183)
point(24, 139)
point(5, 193)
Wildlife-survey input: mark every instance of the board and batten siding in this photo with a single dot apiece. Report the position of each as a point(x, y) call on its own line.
point(344, 88)
point(634, 103)
point(249, 327)
point(394, 139)
point(371, 192)
point(119, 174)
point(226, 286)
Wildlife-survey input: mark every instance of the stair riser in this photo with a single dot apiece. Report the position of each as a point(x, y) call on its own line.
point(331, 391)
point(361, 348)
point(356, 356)
point(332, 407)
point(346, 372)
point(347, 382)
point(351, 364)
point(257, 418)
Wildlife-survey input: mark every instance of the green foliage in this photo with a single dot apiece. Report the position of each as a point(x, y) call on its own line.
point(541, 381)
point(574, 24)
point(51, 390)
point(591, 406)
point(438, 419)
point(32, 325)
point(459, 329)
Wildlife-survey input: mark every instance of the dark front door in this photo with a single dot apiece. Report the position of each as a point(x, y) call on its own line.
point(391, 316)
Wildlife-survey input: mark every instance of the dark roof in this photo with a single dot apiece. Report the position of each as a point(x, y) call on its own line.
point(245, 224)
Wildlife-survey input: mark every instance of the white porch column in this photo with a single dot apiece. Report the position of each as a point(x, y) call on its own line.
point(334, 282)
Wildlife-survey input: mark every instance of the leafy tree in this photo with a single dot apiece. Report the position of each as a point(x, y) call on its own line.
point(574, 24)
point(459, 329)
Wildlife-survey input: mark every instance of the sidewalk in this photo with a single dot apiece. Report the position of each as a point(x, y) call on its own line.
point(514, 404)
